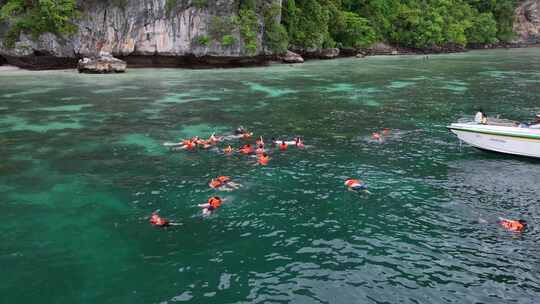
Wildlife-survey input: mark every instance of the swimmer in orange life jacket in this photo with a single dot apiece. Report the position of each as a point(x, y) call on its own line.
point(246, 135)
point(246, 149)
point(263, 159)
point(213, 139)
point(386, 131)
point(158, 221)
point(223, 183)
point(228, 150)
point(259, 150)
point(239, 131)
point(514, 225)
point(283, 146)
point(355, 185)
point(376, 136)
point(186, 145)
point(212, 205)
point(299, 143)
point(259, 142)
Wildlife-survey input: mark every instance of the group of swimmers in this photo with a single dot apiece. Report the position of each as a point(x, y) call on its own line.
point(225, 183)
point(259, 149)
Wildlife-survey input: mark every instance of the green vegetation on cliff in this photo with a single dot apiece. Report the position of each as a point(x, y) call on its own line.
point(410, 23)
point(305, 24)
point(35, 17)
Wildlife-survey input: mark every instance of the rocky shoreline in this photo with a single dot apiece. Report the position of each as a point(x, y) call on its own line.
point(47, 62)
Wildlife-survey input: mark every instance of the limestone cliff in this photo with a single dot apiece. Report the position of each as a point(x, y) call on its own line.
point(527, 24)
point(143, 32)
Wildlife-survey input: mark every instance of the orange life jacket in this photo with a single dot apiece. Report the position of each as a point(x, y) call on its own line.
point(283, 146)
point(228, 150)
point(512, 225)
point(263, 160)
point(246, 149)
point(190, 145)
point(224, 179)
point(214, 183)
point(156, 220)
point(353, 182)
point(215, 202)
point(376, 135)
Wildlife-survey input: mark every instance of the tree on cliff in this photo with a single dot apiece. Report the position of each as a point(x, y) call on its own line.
point(35, 17)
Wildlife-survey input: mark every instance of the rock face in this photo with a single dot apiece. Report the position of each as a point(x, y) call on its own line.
point(292, 57)
point(103, 64)
point(139, 28)
point(329, 53)
point(527, 24)
point(381, 49)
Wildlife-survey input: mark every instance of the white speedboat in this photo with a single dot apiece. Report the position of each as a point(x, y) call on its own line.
point(503, 138)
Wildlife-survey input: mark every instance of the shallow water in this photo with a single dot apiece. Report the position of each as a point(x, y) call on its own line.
point(83, 167)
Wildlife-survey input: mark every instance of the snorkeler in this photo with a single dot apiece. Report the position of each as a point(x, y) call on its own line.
point(283, 146)
point(263, 159)
point(259, 150)
point(205, 144)
point(246, 149)
point(246, 135)
point(228, 150)
point(213, 139)
point(186, 145)
point(299, 143)
point(356, 185)
point(239, 131)
point(213, 204)
point(223, 183)
point(376, 136)
point(260, 141)
point(513, 225)
point(158, 221)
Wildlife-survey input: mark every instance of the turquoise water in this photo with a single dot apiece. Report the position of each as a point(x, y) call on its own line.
point(83, 167)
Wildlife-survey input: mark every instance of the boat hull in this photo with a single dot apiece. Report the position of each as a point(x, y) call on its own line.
point(509, 140)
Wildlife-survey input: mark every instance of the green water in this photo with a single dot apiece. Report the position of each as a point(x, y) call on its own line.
point(82, 167)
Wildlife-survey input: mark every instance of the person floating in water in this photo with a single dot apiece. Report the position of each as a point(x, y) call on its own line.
point(263, 159)
point(223, 183)
point(246, 149)
point(299, 143)
point(212, 205)
point(239, 131)
point(356, 185)
point(259, 150)
point(187, 144)
point(213, 139)
point(228, 150)
point(386, 132)
point(481, 117)
point(536, 123)
point(259, 142)
point(283, 146)
point(513, 225)
point(376, 136)
point(247, 135)
point(158, 221)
